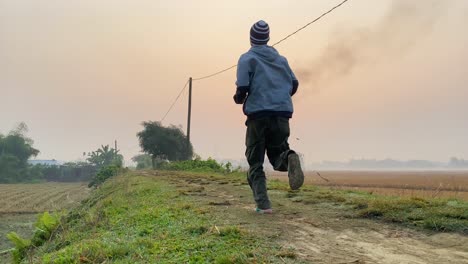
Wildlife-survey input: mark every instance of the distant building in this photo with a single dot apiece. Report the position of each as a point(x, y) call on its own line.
point(45, 162)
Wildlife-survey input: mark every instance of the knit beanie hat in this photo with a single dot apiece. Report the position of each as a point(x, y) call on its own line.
point(259, 33)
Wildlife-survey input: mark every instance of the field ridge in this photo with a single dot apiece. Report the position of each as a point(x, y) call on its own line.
point(182, 217)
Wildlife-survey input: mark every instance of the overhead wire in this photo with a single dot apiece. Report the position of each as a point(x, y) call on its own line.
point(233, 66)
point(173, 103)
point(278, 42)
point(311, 22)
point(214, 74)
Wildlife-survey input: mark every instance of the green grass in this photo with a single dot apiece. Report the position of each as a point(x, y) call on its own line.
point(145, 220)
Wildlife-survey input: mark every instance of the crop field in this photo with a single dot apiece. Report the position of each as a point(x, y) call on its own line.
point(36, 198)
point(425, 184)
point(20, 203)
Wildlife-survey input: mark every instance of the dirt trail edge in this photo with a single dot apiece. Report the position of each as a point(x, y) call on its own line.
point(320, 232)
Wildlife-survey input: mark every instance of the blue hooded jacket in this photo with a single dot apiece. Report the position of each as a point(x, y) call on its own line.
point(265, 78)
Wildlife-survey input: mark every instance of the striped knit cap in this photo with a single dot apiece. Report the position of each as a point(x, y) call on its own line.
point(259, 33)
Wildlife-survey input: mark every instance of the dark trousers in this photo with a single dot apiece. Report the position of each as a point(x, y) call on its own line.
point(270, 135)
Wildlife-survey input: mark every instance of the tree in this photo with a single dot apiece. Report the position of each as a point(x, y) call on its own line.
point(165, 143)
point(10, 169)
point(105, 156)
point(15, 150)
point(18, 145)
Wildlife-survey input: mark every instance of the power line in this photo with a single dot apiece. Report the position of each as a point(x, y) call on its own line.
point(311, 22)
point(233, 66)
point(216, 73)
point(177, 98)
point(278, 42)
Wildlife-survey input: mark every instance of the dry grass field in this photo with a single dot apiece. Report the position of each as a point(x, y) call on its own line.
point(20, 203)
point(425, 184)
point(35, 198)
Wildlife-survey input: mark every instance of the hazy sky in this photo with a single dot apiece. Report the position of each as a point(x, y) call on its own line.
point(377, 79)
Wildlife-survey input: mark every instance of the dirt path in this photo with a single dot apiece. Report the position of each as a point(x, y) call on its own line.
point(322, 232)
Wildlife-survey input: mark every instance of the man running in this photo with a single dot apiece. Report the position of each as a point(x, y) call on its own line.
point(265, 84)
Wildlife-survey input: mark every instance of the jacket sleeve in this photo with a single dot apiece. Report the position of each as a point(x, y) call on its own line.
point(295, 85)
point(242, 82)
point(243, 70)
point(295, 82)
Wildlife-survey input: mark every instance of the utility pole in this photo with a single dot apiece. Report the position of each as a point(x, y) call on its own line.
point(189, 117)
point(115, 145)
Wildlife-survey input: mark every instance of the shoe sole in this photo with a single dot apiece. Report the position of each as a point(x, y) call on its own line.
point(263, 211)
point(295, 173)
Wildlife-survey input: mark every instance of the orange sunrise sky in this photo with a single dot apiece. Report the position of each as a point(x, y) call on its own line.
point(378, 79)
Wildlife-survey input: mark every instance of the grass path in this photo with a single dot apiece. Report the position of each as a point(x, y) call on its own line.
point(317, 226)
point(168, 217)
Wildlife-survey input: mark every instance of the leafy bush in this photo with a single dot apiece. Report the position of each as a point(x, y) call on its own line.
point(45, 225)
point(21, 246)
point(104, 174)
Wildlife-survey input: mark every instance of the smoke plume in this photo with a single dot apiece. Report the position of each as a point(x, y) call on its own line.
point(405, 25)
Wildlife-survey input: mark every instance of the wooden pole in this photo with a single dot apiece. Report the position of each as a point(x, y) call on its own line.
point(189, 117)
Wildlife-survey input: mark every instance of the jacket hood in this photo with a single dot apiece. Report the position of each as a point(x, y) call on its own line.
point(265, 52)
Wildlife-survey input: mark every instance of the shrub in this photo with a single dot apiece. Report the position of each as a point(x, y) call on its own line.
point(199, 165)
point(104, 174)
point(21, 246)
point(45, 225)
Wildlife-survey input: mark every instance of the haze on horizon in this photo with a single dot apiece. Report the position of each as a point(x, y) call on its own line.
point(378, 79)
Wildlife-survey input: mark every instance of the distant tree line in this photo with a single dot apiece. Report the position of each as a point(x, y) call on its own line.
point(162, 145)
point(16, 149)
point(457, 163)
point(68, 172)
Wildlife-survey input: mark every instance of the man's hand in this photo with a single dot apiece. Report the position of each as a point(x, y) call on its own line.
point(241, 94)
point(295, 85)
point(239, 98)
